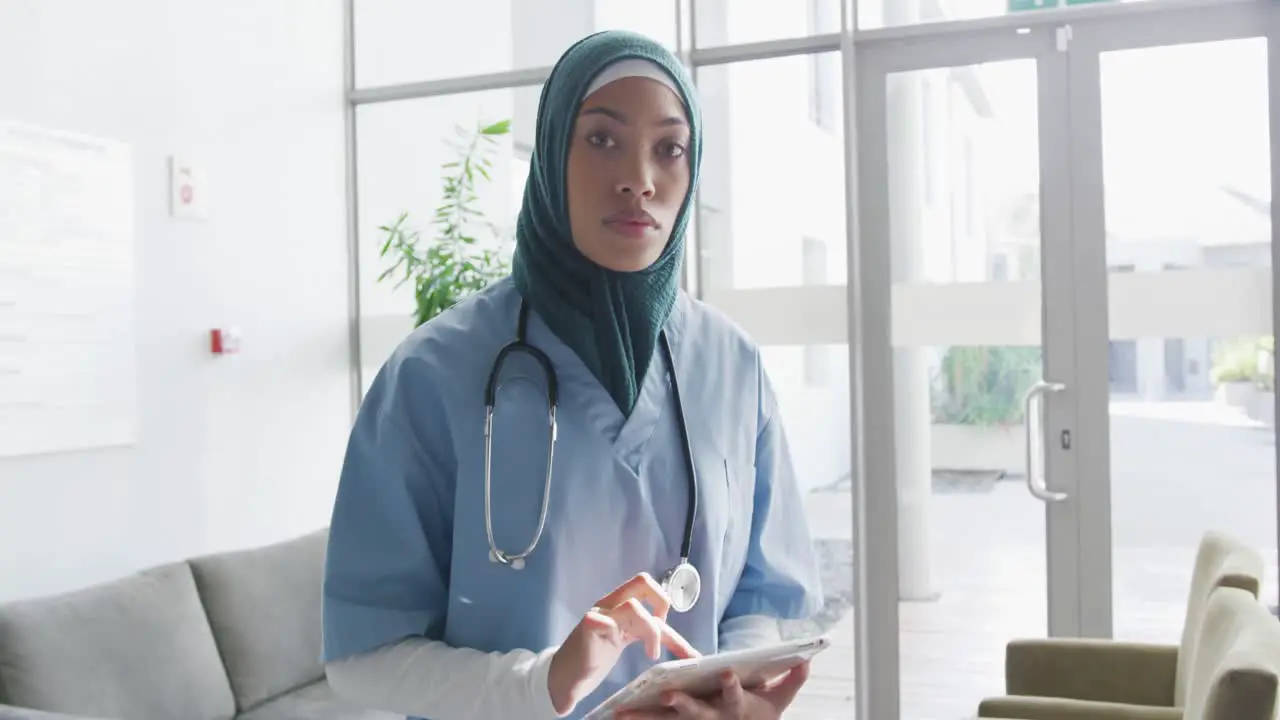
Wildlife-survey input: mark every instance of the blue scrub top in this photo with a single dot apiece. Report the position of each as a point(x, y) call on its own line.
point(408, 552)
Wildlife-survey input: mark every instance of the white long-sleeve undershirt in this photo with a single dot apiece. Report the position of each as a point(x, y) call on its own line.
point(427, 678)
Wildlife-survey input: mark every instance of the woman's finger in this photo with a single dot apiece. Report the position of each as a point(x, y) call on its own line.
point(686, 706)
point(733, 699)
point(636, 623)
point(601, 624)
point(641, 587)
point(663, 714)
point(781, 693)
point(676, 643)
point(630, 621)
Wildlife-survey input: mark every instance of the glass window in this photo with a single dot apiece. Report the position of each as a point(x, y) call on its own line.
point(874, 14)
point(817, 358)
point(406, 155)
point(771, 178)
point(399, 41)
point(729, 22)
point(824, 68)
point(970, 535)
point(815, 419)
point(1187, 184)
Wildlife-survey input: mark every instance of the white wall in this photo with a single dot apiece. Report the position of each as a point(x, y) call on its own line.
point(235, 451)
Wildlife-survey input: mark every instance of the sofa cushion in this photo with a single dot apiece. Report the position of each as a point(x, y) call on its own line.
point(313, 702)
point(1221, 561)
point(1236, 671)
point(264, 607)
point(9, 712)
point(137, 648)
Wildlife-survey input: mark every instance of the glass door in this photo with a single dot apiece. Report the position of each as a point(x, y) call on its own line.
point(1173, 166)
point(966, 301)
point(1066, 262)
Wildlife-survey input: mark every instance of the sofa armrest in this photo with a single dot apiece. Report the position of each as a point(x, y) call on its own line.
point(1085, 669)
point(11, 712)
point(1044, 708)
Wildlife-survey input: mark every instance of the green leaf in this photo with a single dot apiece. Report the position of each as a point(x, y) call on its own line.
point(499, 128)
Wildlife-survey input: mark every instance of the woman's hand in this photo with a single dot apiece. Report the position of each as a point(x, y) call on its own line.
point(733, 703)
point(617, 620)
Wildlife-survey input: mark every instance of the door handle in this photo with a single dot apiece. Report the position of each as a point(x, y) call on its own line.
point(1035, 399)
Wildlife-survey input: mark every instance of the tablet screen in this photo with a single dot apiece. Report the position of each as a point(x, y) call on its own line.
point(700, 677)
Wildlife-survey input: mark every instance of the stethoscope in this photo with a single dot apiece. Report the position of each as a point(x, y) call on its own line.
point(682, 582)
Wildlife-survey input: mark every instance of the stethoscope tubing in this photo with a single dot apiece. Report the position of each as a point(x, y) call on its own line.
point(520, 344)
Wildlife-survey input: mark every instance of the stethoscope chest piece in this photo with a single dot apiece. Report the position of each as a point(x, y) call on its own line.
point(496, 556)
point(683, 585)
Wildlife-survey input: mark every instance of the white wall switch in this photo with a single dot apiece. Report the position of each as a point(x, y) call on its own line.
point(188, 190)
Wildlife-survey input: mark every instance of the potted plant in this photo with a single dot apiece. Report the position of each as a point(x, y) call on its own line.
point(977, 405)
point(462, 255)
point(1235, 372)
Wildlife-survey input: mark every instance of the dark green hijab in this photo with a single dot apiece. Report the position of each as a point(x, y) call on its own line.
point(610, 319)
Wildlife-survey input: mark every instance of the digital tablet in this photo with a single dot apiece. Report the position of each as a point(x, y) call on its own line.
point(700, 677)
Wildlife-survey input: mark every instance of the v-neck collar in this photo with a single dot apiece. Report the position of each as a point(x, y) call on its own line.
point(627, 434)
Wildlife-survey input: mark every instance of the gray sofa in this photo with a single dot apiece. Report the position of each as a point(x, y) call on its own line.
point(229, 635)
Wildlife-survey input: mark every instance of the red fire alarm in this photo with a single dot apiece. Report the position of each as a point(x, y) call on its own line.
point(224, 341)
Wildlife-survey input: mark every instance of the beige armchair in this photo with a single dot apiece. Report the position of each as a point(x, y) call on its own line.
point(1234, 673)
point(1136, 674)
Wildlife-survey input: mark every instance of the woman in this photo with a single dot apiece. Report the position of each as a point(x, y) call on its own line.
point(434, 606)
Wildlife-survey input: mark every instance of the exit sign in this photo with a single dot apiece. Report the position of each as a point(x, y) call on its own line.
point(1026, 5)
point(1030, 5)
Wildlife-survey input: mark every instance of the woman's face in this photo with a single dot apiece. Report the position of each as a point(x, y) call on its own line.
point(628, 173)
